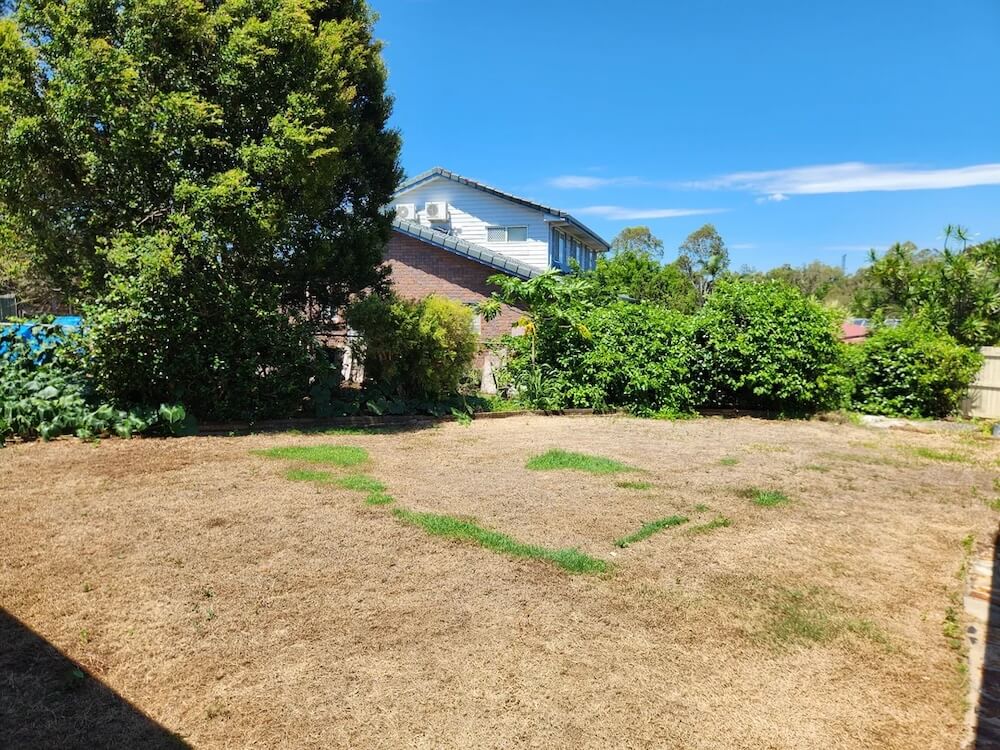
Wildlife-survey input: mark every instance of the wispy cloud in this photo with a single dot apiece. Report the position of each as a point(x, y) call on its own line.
point(588, 182)
point(777, 185)
point(849, 177)
point(773, 198)
point(621, 213)
point(743, 246)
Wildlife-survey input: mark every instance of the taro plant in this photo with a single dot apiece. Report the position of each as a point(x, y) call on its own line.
point(45, 392)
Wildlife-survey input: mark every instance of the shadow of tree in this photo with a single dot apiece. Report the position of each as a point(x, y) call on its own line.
point(988, 719)
point(48, 701)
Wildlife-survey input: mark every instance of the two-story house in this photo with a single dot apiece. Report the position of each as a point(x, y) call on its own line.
point(451, 233)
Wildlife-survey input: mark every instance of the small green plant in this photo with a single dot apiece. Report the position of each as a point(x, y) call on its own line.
point(462, 417)
point(728, 461)
point(309, 475)
point(716, 523)
point(817, 467)
point(360, 483)
point(701, 508)
point(87, 588)
point(560, 459)
point(968, 543)
point(571, 560)
point(335, 455)
point(634, 485)
point(649, 529)
point(951, 628)
point(765, 498)
point(379, 498)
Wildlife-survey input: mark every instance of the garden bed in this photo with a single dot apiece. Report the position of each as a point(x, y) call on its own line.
point(700, 584)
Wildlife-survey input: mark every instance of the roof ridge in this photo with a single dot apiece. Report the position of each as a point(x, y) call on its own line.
point(412, 182)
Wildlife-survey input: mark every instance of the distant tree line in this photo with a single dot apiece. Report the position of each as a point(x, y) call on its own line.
point(957, 288)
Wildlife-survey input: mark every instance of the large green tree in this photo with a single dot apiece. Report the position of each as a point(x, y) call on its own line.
point(204, 175)
point(249, 135)
point(957, 289)
point(638, 275)
point(703, 257)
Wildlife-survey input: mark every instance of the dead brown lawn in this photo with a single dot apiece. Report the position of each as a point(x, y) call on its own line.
point(239, 609)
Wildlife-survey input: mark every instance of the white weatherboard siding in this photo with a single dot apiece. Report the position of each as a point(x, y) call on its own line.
point(471, 211)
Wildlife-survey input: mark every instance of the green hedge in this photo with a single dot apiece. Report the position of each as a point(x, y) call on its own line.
point(764, 345)
point(912, 370)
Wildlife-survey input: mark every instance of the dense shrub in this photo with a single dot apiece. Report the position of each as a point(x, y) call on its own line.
point(641, 358)
point(636, 356)
point(173, 333)
point(912, 370)
point(763, 345)
point(44, 392)
point(414, 349)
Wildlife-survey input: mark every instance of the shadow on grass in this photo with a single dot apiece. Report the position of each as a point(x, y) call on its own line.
point(48, 701)
point(988, 719)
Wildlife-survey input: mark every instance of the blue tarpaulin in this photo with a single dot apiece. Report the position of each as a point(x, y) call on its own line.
point(23, 330)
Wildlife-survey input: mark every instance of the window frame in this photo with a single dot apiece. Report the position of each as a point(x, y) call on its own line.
point(506, 232)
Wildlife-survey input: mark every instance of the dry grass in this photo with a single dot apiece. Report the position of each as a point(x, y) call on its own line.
point(237, 608)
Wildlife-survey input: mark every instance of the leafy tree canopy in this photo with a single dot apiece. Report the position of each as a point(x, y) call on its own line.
point(704, 257)
point(637, 240)
point(246, 138)
point(958, 290)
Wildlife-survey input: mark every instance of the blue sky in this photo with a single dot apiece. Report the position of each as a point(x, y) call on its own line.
point(802, 130)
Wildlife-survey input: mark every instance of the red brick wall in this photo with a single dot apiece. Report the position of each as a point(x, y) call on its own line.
point(419, 269)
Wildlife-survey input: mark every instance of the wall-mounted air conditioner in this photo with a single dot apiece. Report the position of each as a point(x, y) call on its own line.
point(436, 210)
point(406, 211)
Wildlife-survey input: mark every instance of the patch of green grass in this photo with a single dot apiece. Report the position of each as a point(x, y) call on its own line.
point(863, 458)
point(379, 498)
point(716, 523)
point(308, 475)
point(649, 529)
point(817, 467)
point(765, 498)
point(335, 455)
point(797, 617)
point(635, 485)
point(451, 527)
point(560, 459)
point(951, 628)
point(728, 461)
point(701, 508)
point(968, 543)
point(360, 483)
point(935, 455)
point(804, 617)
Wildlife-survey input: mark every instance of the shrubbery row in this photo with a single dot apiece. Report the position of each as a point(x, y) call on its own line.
point(758, 345)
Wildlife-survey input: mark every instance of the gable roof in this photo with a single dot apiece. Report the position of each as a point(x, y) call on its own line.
point(469, 250)
point(430, 174)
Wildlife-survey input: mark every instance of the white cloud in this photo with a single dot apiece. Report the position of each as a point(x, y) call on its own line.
point(773, 198)
point(850, 177)
point(622, 213)
point(585, 182)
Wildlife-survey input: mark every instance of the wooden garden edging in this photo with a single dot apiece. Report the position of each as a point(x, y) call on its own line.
point(307, 424)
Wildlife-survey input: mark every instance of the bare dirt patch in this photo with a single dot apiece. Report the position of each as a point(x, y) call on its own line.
point(236, 608)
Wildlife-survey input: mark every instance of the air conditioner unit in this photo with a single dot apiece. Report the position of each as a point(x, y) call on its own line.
point(406, 211)
point(436, 210)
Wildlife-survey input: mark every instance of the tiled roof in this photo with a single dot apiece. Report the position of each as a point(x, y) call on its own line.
point(441, 172)
point(465, 249)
